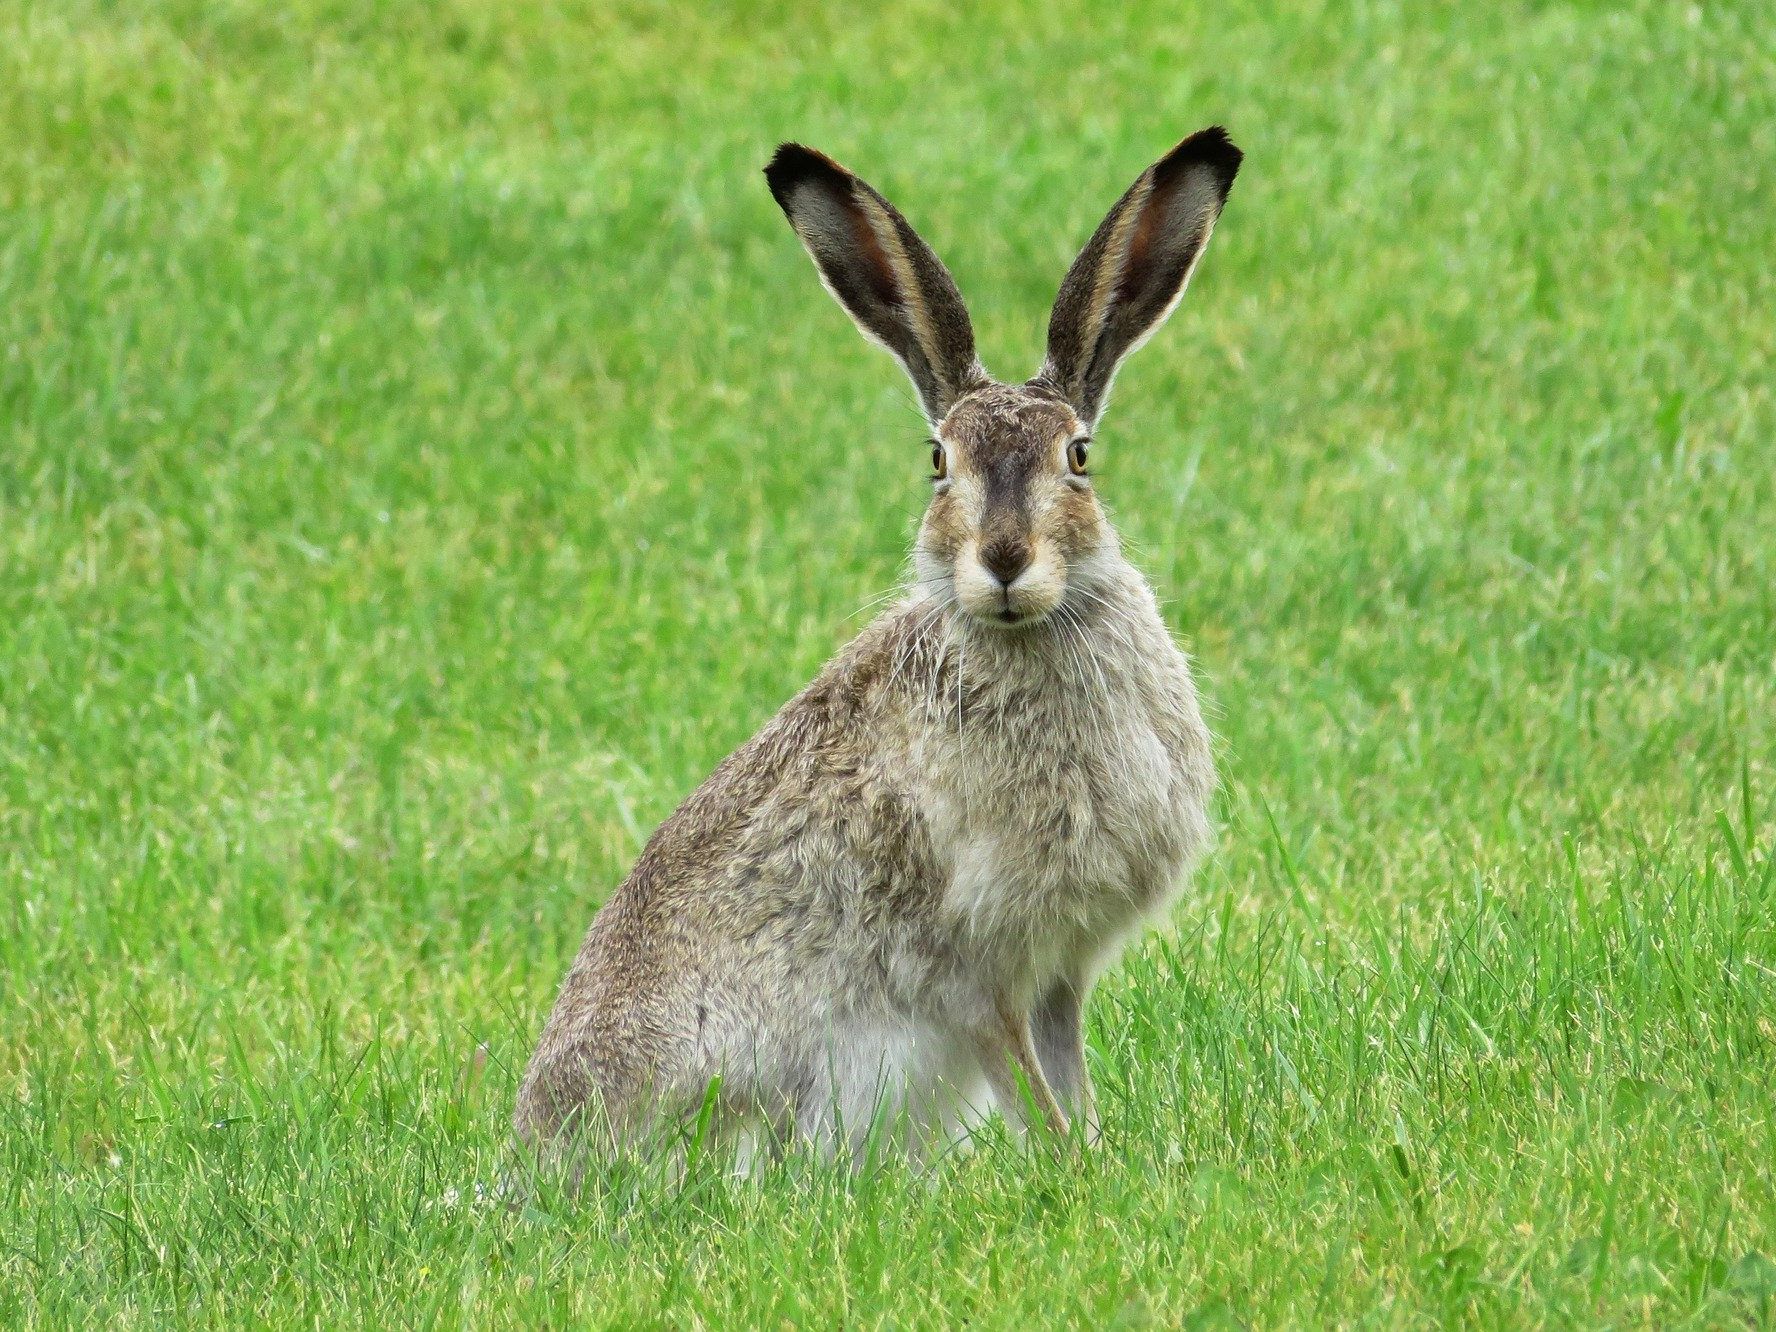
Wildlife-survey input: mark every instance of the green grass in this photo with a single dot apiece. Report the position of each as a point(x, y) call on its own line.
point(425, 452)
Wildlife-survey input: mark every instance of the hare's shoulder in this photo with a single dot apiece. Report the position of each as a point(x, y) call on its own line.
point(833, 758)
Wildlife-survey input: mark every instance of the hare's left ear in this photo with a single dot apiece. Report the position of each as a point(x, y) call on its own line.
point(890, 283)
point(1133, 270)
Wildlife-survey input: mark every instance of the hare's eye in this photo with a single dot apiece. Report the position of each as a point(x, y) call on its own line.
point(1076, 456)
point(940, 462)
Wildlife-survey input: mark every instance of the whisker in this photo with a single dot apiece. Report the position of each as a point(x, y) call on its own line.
point(877, 600)
point(915, 631)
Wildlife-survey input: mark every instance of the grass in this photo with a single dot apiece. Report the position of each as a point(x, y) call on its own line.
point(424, 452)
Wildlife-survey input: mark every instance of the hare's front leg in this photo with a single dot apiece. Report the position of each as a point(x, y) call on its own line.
point(1058, 1029)
point(1014, 1074)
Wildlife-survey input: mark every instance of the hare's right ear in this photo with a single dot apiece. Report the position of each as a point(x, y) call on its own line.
point(1133, 270)
point(888, 280)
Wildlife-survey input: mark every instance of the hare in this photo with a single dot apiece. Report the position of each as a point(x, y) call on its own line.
point(893, 902)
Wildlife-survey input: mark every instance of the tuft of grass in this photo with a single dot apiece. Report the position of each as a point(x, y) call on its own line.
point(424, 454)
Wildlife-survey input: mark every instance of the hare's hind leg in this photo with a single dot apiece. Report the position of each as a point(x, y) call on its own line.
point(561, 1141)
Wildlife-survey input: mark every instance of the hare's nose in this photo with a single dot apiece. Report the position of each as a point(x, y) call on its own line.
point(1005, 559)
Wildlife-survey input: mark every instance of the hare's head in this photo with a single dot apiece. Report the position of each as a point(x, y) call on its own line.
point(1014, 527)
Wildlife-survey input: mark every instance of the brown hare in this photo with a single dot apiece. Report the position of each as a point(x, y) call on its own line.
point(891, 904)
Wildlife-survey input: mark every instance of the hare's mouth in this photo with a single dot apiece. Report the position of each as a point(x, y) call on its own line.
point(1010, 615)
point(1007, 607)
point(993, 601)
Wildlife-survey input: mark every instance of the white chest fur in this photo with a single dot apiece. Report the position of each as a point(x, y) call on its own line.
point(1068, 794)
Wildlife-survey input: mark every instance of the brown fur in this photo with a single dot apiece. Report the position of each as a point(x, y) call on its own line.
point(898, 894)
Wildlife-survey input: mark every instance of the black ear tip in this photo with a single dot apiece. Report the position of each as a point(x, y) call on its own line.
point(795, 164)
point(1209, 147)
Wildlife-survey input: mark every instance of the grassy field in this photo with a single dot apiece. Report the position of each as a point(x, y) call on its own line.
point(425, 452)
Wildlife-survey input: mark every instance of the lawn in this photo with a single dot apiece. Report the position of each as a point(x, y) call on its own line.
point(425, 452)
